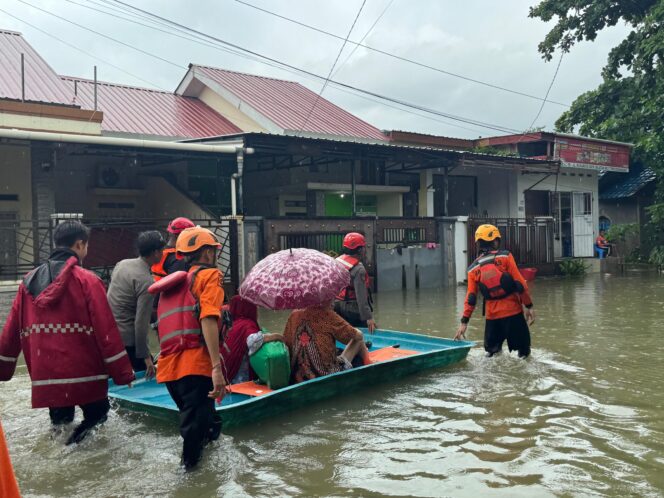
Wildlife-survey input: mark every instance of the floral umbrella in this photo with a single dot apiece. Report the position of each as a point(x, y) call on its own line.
point(294, 278)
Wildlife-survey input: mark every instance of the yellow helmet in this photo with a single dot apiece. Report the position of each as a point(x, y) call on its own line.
point(487, 232)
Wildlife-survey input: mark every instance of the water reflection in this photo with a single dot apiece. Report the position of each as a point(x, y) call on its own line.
point(581, 417)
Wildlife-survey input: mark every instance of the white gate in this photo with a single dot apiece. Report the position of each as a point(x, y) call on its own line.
point(582, 224)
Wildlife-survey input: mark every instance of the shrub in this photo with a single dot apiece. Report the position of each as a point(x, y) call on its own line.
point(657, 256)
point(621, 232)
point(571, 267)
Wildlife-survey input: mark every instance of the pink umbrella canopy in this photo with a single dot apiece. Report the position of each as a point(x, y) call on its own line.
point(294, 278)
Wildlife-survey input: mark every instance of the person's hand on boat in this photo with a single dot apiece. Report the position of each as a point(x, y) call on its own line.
point(461, 332)
point(529, 314)
point(150, 368)
point(218, 384)
point(371, 325)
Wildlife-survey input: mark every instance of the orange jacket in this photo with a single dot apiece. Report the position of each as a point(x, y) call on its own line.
point(8, 486)
point(498, 308)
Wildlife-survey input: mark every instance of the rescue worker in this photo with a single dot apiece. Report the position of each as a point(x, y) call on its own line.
point(170, 262)
point(189, 363)
point(354, 303)
point(71, 343)
point(495, 275)
point(131, 302)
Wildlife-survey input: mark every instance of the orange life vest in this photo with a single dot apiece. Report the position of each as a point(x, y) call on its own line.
point(494, 282)
point(348, 293)
point(178, 313)
point(158, 270)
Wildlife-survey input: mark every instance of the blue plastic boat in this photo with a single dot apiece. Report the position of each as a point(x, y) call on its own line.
point(396, 354)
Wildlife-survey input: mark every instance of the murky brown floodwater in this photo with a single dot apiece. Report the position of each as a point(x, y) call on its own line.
point(582, 417)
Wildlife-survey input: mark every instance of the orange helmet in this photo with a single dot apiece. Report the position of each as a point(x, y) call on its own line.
point(487, 232)
point(353, 240)
point(192, 239)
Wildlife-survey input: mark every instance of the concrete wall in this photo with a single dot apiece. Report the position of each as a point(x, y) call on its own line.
point(44, 123)
point(620, 211)
point(418, 267)
point(389, 205)
point(15, 179)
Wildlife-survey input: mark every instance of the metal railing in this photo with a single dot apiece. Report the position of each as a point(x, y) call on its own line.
point(406, 230)
point(26, 243)
point(529, 240)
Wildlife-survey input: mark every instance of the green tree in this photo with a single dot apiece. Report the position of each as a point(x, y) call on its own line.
point(629, 104)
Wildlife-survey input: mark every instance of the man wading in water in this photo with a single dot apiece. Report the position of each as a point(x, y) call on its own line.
point(71, 343)
point(495, 274)
point(189, 363)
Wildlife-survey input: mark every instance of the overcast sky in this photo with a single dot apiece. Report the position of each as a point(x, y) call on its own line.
point(486, 40)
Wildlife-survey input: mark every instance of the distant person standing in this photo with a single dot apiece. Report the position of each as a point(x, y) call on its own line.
point(170, 262)
point(132, 303)
point(495, 275)
point(71, 343)
point(602, 245)
point(354, 303)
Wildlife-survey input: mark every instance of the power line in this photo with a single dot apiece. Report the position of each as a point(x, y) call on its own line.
point(102, 35)
point(329, 74)
point(395, 56)
point(364, 37)
point(279, 64)
point(70, 45)
point(539, 112)
point(502, 129)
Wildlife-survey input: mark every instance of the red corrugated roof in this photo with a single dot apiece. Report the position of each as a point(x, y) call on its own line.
point(42, 84)
point(287, 104)
point(144, 111)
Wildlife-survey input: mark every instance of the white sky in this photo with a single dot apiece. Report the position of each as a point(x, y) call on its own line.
point(487, 40)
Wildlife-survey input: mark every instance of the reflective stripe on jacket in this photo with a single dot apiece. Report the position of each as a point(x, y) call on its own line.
point(178, 315)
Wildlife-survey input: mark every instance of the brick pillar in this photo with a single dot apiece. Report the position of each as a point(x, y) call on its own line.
point(43, 199)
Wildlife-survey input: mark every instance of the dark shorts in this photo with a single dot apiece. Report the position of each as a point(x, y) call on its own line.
point(514, 329)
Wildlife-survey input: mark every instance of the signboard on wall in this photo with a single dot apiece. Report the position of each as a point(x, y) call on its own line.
point(589, 154)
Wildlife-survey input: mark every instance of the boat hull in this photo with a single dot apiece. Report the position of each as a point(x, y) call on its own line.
point(238, 409)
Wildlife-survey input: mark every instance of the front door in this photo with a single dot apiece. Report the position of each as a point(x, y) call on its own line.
point(582, 224)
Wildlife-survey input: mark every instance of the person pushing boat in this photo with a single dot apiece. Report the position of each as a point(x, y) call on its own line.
point(354, 302)
point(509, 307)
point(189, 363)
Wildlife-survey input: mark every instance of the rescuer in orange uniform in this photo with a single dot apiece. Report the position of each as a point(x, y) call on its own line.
point(169, 262)
point(354, 303)
point(8, 486)
point(495, 275)
point(189, 363)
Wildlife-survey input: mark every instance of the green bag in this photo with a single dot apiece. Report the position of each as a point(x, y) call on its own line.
point(272, 364)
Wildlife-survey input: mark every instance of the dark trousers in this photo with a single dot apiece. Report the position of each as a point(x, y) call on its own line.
point(514, 329)
point(199, 422)
point(138, 364)
point(93, 413)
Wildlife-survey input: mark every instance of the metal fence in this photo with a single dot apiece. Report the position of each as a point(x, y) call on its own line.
point(26, 243)
point(406, 230)
point(529, 240)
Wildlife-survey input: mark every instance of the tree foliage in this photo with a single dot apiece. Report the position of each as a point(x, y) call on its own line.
point(629, 104)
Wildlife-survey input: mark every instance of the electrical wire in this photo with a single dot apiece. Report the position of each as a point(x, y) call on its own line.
point(389, 4)
point(395, 56)
point(70, 45)
point(246, 53)
point(329, 74)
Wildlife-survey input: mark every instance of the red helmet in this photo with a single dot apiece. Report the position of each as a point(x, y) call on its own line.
point(354, 240)
point(178, 224)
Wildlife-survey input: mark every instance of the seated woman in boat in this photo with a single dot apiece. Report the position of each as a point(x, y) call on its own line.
point(311, 336)
point(245, 336)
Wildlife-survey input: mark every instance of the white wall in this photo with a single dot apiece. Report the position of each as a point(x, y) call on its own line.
point(389, 205)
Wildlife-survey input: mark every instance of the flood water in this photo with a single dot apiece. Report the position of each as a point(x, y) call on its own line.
point(582, 417)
